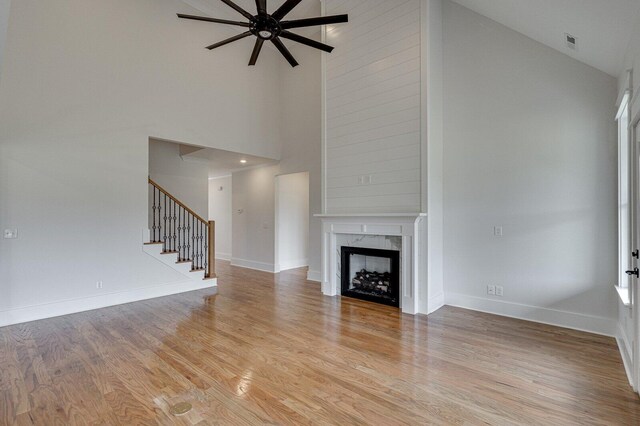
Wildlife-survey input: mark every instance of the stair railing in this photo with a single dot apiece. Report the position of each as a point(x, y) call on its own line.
point(182, 231)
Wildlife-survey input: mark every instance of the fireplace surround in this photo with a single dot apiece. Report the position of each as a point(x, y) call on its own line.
point(404, 232)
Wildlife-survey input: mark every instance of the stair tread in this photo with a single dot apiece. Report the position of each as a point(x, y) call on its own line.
point(153, 243)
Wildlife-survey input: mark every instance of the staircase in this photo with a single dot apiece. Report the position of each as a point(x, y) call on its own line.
point(179, 237)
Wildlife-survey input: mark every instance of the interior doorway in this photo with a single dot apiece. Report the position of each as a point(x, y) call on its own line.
point(292, 221)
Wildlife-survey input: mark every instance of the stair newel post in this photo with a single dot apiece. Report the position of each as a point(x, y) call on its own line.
point(211, 249)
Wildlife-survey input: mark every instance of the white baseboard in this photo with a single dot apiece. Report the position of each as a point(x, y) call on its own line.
point(314, 276)
point(223, 256)
point(294, 264)
point(250, 264)
point(625, 351)
point(72, 306)
point(575, 321)
point(435, 303)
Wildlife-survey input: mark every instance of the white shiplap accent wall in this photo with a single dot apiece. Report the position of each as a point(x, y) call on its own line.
point(373, 107)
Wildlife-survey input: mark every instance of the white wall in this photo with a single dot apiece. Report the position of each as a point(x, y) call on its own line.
point(530, 145)
point(76, 114)
point(220, 210)
point(188, 181)
point(4, 23)
point(301, 91)
point(433, 174)
point(253, 219)
point(292, 221)
point(373, 108)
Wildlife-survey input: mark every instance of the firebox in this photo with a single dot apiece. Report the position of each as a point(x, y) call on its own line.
point(371, 274)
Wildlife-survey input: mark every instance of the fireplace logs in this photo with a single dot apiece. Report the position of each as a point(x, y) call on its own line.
point(372, 281)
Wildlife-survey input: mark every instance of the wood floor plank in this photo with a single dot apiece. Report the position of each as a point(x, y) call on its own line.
point(267, 349)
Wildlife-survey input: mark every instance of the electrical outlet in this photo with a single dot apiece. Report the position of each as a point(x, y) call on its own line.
point(99, 285)
point(499, 290)
point(497, 231)
point(491, 290)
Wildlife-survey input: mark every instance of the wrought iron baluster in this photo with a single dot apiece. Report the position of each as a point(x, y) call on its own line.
point(175, 226)
point(202, 251)
point(164, 228)
point(199, 244)
point(153, 210)
point(182, 227)
point(179, 236)
point(158, 217)
point(193, 243)
point(184, 234)
point(170, 228)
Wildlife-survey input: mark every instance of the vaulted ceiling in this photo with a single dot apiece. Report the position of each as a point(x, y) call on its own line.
point(216, 8)
point(304, 9)
point(603, 28)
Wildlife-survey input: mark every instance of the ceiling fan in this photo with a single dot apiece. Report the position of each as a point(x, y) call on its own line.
point(271, 27)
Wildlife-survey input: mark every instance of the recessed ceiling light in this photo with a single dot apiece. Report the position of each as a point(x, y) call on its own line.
point(243, 161)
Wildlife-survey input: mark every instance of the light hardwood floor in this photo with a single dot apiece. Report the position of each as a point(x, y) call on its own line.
point(271, 350)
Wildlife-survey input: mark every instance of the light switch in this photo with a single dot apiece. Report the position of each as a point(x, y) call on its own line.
point(10, 234)
point(497, 231)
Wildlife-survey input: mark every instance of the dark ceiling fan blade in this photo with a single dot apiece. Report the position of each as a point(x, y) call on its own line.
point(285, 52)
point(256, 51)
point(261, 5)
point(218, 21)
point(311, 22)
point(238, 9)
point(284, 9)
point(229, 40)
point(307, 41)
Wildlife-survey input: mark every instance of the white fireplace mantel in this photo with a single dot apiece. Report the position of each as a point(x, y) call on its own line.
point(408, 226)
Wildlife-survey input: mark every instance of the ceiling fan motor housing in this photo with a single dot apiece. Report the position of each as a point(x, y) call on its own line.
point(265, 27)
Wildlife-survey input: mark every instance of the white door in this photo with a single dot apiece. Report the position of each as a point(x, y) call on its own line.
point(629, 240)
point(634, 256)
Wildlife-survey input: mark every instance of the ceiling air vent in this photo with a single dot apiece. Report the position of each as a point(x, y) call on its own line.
point(572, 43)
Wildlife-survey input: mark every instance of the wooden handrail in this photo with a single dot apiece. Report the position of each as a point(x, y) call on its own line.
point(165, 192)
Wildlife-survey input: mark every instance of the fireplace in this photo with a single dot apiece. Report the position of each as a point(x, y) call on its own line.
point(371, 274)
